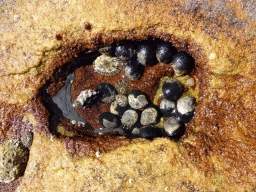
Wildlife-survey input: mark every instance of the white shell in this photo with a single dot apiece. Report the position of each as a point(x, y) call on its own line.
point(186, 104)
point(148, 116)
point(122, 100)
point(171, 125)
point(138, 102)
point(83, 96)
point(167, 104)
point(129, 117)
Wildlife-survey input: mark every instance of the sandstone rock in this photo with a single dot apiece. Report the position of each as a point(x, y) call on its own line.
point(218, 151)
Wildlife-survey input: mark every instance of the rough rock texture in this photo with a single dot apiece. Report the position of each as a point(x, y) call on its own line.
point(146, 166)
point(38, 38)
point(13, 160)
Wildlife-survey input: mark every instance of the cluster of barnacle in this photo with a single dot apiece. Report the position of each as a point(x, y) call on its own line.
point(132, 110)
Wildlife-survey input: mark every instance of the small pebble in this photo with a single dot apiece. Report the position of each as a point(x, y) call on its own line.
point(73, 122)
point(190, 82)
point(136, 131)
point(16, 17)
point(98, 154)
point(27, 138)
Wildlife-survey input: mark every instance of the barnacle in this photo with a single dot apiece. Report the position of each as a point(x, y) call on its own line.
point(122, 87)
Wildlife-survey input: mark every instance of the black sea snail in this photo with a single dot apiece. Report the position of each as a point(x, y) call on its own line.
point(172, 90)
point(182, 63)
point(150, 115)
point(109, 120)
point(130, 117)
point(124, 51)
point(165, 52)
point(146, 54)
point(107, 92)
point(134, 70)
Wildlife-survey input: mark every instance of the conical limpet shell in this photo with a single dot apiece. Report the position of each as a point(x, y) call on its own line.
point(106, 65)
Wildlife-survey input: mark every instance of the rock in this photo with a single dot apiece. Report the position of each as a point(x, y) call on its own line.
point(13, 160)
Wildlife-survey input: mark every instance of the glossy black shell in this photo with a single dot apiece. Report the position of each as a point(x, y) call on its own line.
point(151, 132)
point(125, 51)
point(119, 109)
point(184, 62)
point(107, 92)
point(172, 90)
point(185, 118)
point(165, 52)
point(178, 132)
point(112, 118)
point(146, 54)
point(134, 70)
point(166, 109)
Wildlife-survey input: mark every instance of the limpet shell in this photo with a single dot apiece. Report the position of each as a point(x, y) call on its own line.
point(106, 65)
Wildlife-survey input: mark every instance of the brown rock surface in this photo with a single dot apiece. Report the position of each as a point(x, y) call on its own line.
point(218, 150)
